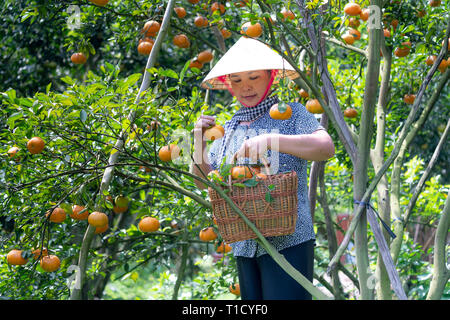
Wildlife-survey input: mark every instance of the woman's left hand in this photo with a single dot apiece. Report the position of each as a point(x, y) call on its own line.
point(253, 148)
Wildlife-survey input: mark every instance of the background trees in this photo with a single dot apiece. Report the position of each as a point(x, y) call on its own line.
point(82, 111)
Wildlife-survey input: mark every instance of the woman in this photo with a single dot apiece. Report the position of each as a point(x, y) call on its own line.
point(248, 70)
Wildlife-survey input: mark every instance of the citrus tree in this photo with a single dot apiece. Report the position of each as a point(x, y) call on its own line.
point(96, 169)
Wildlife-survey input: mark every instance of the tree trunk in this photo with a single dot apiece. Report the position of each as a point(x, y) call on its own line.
point(363, 149)
point(383, 284)
point(331, 235)
point(441, 274)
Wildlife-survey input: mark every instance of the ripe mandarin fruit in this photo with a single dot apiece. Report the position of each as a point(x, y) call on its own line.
point(14, 257)
point(147, 39)
point(99, 230)
point(151, 28)
point(194, 1)
point(348, 38)
point(78, 58)
point(409, 98)
point(145, 47)
point(12, 151)
point(394, 23)
point(208, 234)
point(355, 33)
point(100, 3)
point(235, 289)
point(364, 15)
point(421, 13)
point(50, 263)
point(217, 6)
point(241, 172)
point(181, 41)
point(168, 153)
point(242, 3)
point(148, 224)
point(58, 215)
point(352, 9)
point(277, 114)
point(196, 64)
point(261, 176)
point(443, 66)
point(77, 213)
point(223, 248)
point(180, 11)
point(403, 50)
point(35, 145)
point(252, 30)
point(350, 113)
point(213, 133)
point(201, 22)
point(434, 3)
point(387, 33)
point(117, 209)
point(354, 22)
point(313, 106)
point(37, 253)
point(214, 174)
point(287, 14)
point(225, 33)
point(98, 219)
point(303, 93)
point(205, 56)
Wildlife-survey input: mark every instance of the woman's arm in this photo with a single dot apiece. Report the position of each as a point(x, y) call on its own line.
point(199, 159)
point(317, 146)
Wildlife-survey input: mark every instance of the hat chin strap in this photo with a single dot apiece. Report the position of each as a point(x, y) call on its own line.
point(273, 73)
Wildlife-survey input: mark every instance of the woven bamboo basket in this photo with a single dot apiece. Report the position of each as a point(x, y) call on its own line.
point(275, 217)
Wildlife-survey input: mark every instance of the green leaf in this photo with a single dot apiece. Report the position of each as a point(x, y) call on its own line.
point(67, 207)
point(132, 79)
point(11, 94)
point(251, 182)
point(93, 88)
point(182, 73)
point(67, 80)
point(238, 184)
point(268, 197)
point(170, 73)
point(47, 89)
point(15, 116)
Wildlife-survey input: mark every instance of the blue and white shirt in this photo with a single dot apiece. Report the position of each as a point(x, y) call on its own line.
point(301, 122)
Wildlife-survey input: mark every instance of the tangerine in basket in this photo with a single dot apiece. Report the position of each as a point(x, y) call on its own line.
point(240, 172)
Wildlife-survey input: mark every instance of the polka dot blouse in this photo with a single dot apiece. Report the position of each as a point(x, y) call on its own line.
point(301, 122)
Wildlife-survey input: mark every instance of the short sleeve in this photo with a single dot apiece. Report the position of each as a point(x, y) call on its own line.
point(304, 121)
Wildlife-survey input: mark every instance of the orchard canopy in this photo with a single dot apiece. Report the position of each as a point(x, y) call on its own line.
point(95, 205)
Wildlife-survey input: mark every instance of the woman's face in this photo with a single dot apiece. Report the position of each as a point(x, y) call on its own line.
point(250, 86)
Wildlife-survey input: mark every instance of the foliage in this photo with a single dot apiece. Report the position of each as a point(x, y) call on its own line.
point(80, 112)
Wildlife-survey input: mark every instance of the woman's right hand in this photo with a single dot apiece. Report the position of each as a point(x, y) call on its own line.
point(205, 122)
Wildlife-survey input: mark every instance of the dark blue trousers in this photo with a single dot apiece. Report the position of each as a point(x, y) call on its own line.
point(261, 278)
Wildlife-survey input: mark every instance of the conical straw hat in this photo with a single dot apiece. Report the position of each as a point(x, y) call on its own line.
point(247, 54)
